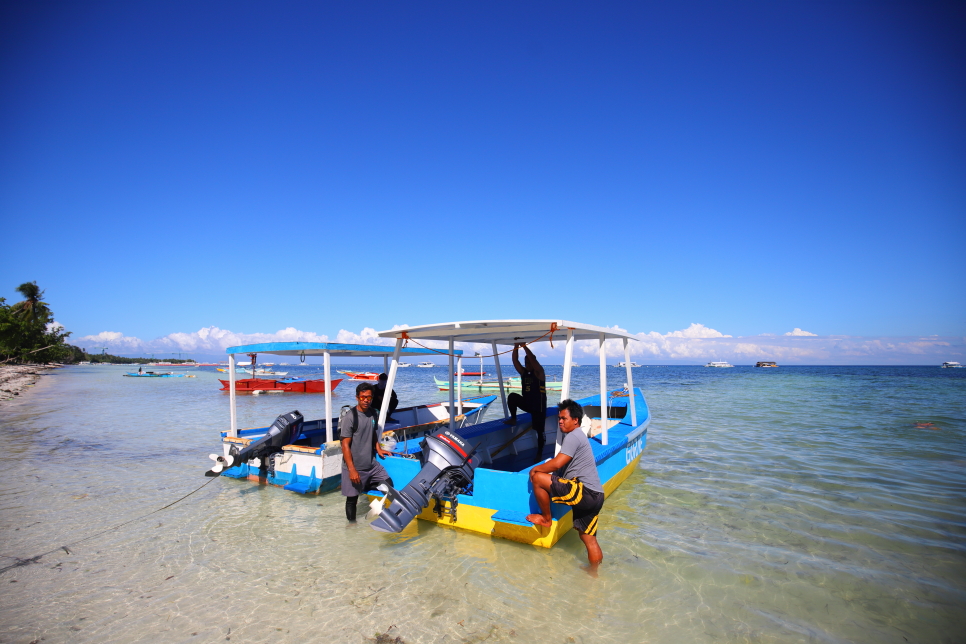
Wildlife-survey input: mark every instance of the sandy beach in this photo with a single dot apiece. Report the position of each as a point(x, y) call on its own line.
point(14, 379)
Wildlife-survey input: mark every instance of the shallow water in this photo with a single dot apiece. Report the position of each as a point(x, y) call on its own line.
point(771, 505)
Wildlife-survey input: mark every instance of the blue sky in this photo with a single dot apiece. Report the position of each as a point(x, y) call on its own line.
point(750, 167)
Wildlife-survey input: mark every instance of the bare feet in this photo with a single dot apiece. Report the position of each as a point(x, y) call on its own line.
point(537, 519)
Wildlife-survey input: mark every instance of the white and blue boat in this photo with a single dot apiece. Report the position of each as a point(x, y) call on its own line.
point(305, 456)
point(499, 497)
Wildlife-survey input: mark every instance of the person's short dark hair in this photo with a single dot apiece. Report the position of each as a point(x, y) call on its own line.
point(575, 410)
point(383, 376)
point(363, 386)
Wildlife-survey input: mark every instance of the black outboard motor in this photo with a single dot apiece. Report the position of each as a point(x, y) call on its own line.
point(284, 431)
point(448, 467)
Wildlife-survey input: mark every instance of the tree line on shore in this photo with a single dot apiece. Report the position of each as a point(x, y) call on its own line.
point(29, 334)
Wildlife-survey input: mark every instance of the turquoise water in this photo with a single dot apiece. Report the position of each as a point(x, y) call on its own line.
point(771, 505)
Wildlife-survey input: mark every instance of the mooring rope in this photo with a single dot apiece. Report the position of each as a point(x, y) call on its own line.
point(37, 558)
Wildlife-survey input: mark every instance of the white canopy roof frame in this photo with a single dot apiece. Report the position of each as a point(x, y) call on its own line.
point(326, 350)
point(509, 332)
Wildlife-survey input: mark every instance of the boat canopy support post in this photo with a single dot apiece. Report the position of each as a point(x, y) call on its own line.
point(452, 404)
point(499, 377)
point(327, 374)
point(459, 385)
point(385, 364)
point(233, 429)
point(630, 381)
point(603, 391)
point(384, 411)
point(565, 387)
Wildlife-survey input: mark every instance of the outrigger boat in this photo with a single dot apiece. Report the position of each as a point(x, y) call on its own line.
point(479, 476)
point(305, 455)
point(154, 374)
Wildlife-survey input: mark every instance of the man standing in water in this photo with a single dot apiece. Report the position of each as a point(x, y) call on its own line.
point(571, 478)
point(533, 382)
point(357, 432)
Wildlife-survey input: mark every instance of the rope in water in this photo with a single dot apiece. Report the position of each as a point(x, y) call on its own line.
point(37, 558)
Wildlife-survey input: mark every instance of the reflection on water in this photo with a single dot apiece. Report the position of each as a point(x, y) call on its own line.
point(780, 505)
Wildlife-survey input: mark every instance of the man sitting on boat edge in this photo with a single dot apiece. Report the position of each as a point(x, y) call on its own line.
point(533, 384)
point(571, 478)
point(357, 431)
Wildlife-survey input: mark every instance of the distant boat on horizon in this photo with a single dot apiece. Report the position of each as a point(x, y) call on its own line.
point(721, 364)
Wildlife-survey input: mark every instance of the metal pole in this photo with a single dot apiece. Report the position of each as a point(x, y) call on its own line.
point(499, 378)
point(565, 387)
point(327, 374)
point(452, 403)
point(603, 392)
point(459, 384)
point(568, 369)
point(387, 395)
point(233, 430)
point(385, 364)
point(630, 381)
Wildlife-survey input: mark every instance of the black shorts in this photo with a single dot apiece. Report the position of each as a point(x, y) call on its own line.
point(586, 503)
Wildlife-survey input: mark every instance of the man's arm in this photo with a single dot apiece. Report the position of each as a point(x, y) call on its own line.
point(538, 368)
point(516, 360)
point(554, 464)
point(347, 458)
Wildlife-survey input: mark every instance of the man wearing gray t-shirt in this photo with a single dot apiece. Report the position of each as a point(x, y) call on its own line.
point(571, 478)
point(357, 433)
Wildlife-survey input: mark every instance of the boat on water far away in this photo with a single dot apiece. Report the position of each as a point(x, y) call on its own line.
point(719, 364)
point(426, 365)
point(624, 364)
point(952, 365)
point(765, 364)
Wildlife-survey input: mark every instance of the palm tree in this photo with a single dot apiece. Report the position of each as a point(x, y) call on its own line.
point(32, 303)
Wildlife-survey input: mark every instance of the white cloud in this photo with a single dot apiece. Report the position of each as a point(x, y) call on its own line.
point(697, 331)
point(797, 331)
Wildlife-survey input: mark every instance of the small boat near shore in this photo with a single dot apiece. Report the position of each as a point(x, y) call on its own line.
point(155, 374)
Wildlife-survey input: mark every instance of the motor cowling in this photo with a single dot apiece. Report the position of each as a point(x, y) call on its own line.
point(448, 468)
point(284, 431)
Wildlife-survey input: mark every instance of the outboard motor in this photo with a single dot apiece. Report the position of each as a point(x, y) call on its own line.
point(448, 467)
point(284, 431)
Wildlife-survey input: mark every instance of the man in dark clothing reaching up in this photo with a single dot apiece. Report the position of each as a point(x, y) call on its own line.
point(533, 384)
point(379, 394)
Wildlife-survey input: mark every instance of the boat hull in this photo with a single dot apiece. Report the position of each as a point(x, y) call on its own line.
point(249, 385)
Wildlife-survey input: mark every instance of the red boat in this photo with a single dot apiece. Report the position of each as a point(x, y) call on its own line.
point(365, 376)
point(248, 385)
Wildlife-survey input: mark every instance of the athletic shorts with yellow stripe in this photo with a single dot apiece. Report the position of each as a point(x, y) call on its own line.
point(586, 503)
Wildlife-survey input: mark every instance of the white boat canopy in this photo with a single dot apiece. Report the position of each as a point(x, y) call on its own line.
point(509, 332)
point(326, 350)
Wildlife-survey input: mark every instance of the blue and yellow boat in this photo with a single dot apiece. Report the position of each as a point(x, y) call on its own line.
point(500, 495)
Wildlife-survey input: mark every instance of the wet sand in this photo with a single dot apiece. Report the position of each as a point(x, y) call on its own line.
point(16, 379)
